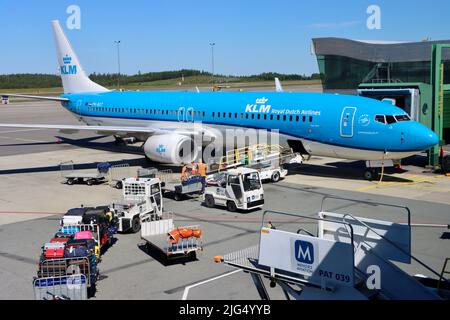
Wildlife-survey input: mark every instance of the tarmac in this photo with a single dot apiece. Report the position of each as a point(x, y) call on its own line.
point(33, 198)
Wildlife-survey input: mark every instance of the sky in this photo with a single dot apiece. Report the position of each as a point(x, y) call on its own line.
point(251, 36)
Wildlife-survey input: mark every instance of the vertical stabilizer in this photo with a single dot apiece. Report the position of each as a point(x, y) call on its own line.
point(73, 77)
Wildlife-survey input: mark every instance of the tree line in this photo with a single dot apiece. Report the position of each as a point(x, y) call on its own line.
point(31, 81)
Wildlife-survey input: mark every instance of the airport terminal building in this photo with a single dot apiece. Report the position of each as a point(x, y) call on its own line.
point(344, 64)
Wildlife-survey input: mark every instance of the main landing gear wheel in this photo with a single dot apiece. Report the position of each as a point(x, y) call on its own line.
point(371, 174)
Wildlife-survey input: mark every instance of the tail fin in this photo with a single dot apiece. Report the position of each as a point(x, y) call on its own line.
point(73, 76)
point(278, 86)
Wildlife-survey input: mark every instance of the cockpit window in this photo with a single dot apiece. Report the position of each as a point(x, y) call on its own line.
point(390, 119)
point(403, 117)
point(380, 118)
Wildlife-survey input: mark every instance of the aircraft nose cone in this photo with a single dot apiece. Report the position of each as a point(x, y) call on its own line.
point(426, 139)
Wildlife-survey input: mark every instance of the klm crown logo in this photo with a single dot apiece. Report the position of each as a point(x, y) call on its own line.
point(67, 59)
point(68, 68)
point(161, 149)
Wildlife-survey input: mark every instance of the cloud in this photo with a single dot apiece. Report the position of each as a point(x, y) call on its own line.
point(334, 25)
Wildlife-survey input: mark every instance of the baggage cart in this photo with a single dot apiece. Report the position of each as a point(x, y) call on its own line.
point(155, 232)
point(90, 178)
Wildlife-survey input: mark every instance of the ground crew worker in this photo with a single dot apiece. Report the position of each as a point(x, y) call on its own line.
point(202, 172)
point(194, 168)
point(184, 173)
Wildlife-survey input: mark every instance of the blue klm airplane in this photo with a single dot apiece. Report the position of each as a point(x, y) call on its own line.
point(339, 126)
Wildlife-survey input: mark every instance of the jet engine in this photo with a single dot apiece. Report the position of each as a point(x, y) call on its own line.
point(171, 148)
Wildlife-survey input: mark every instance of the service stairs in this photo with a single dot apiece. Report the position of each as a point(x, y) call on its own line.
point(368, 248)
point(396, 284)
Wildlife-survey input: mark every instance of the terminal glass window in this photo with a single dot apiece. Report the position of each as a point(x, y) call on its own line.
point(403, 117)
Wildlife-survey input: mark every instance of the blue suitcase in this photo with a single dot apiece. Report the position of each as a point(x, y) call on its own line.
point(76, 252)
point(70, 229)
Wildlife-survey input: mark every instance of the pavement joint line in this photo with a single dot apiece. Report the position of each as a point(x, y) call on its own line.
point(186, 290)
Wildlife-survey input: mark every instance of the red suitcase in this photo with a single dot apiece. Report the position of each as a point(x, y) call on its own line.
point(54, 253)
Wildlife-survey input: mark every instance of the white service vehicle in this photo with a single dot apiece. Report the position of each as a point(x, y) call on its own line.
point(241, 190)
point(140, 197)
point(269, 172)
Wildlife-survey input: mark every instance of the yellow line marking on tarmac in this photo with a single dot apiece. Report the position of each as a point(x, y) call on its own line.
point(414, 180)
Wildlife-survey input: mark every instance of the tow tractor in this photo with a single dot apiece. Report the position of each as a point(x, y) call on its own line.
point(241, 189)
point(140, 197)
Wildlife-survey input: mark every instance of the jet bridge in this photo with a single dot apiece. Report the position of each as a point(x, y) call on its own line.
point(350, 258)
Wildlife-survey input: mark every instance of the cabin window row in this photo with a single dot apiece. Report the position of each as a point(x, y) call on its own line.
point(190, 113)
point(253, 116)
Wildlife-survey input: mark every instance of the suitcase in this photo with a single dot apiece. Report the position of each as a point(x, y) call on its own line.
point(70, 229)
point(54, 253)
point(72, 220)
point(54, 245)
point(59, 240)
point(76, 252)
point(87, 243)
point(83, 235)
point(63, 235)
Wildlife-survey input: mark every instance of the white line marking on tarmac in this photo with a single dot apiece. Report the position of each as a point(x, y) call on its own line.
point(186, 290)
point(24, 130)
point(24, 140)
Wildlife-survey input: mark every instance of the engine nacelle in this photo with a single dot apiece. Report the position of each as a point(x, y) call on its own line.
point(171, 148)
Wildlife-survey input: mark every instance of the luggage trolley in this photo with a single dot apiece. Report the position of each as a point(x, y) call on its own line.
point(156, 232)
point(65, 279)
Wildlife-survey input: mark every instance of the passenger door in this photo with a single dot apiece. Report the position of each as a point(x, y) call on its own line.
point(348, 122)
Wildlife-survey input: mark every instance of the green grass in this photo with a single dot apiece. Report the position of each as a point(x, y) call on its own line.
point(189, 84)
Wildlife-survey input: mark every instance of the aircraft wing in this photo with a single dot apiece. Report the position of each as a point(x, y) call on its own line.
point(33, 97)
point(106, 130)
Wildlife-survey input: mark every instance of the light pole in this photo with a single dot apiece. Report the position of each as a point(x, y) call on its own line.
point(212, 60)
point(118, 63)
